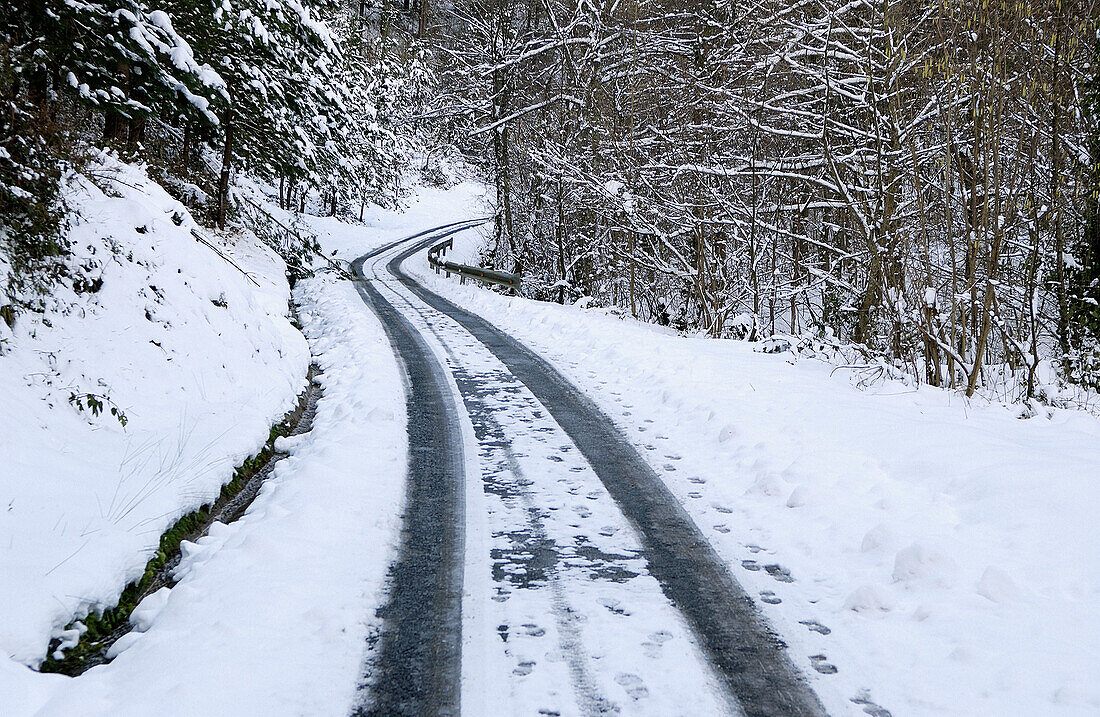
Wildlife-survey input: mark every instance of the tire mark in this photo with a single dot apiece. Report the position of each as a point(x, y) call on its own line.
point(748, 656)
point(418, 667)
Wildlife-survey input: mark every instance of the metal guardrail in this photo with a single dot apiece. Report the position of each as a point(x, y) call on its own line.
point(488, 276)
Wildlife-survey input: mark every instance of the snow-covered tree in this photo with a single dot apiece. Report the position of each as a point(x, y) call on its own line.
point(899, 175)
point(118, 56)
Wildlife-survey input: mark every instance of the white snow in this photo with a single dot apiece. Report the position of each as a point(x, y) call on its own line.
point(943, 552)
point(199, 358)
point(948, 546)
point(272, 613)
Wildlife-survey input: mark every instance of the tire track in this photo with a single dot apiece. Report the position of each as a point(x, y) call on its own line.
point(418, 667)
point(747, 655)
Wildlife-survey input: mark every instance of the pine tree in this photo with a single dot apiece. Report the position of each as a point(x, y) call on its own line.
point(116, 56)
point(281, 102)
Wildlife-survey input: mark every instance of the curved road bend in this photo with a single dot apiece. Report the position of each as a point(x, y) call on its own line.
point(604, 595)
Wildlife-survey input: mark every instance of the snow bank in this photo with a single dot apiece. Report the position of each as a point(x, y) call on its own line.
point(272, 613)
point(915, 550)
point(200, 358)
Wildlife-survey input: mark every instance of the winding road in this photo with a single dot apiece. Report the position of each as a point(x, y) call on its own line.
point(544, 567)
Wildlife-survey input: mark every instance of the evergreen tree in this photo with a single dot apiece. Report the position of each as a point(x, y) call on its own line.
point(281, 101)
point(117, 56)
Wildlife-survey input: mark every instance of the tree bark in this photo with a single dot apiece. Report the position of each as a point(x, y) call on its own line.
point(227, 166)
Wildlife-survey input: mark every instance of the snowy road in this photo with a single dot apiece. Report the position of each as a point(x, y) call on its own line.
point(544, 567)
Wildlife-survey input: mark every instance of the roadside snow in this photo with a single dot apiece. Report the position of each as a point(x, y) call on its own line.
point(272, 613)
point(200, 359)
point(916, 551)
point(427, 208)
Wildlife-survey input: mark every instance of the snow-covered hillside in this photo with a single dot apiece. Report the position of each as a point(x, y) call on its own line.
point(189, 341)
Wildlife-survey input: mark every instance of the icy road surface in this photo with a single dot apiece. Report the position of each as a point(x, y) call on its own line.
point(585, 587)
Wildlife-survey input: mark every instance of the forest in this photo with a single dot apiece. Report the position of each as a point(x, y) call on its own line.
point(907, 186)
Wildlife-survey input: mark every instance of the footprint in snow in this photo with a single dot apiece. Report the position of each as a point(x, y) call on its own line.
point(815, 626)
point(525, 667)
point(822, 665)
point(769, 597)
point(633, 685)
point(780, 573)
point(532, 630)
point(697, 480)
point(750, 565)
point(721, 529)
point(652, 646)
point(863, 699)
point(616, 607)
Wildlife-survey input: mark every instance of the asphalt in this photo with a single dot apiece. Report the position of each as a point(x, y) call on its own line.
point(418, 668)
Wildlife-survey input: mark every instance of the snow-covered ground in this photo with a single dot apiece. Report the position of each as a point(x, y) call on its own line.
point(917, 551)
point(272, 613)
point(201, 360)
point(941, 553)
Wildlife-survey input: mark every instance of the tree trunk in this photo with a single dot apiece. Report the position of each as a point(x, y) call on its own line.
point(227, 166)
point(185, 151)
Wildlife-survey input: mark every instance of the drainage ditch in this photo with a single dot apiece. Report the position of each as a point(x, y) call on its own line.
point(101, 630)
